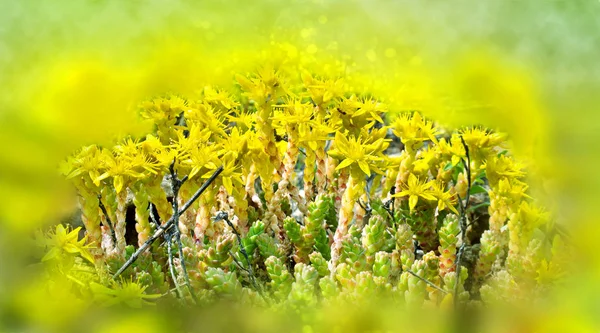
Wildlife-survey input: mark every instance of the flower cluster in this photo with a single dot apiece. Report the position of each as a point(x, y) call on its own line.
point(322, 195)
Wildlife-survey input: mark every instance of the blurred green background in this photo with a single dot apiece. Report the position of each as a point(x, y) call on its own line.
point(71, 73)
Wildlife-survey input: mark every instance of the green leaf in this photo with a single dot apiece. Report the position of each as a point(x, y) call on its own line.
point(476, 189)
point(483, 204)
point(449, 166)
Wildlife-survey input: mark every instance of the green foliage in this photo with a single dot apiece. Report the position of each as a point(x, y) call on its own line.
point(267, 246)
point(373, 235)
point(281, 279)
point(250, 242)
point(319, 263)
point(223, 282)
point(303, 289)
point(217, 255)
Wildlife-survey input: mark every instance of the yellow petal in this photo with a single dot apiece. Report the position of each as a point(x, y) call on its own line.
point(453, 209)
point(70, 248)
point(60, 229)
point(244, 82)
point(455, 159)
point(73, 235)
point(441, 205)
point(327, 96)
point(400, 194)
point(306, 78)
point(342, 141)
point(344, 164)
point(101, 177)
point(335, 153)
point(118, 183)
point(427, 196)
point(412, 180)
point(228, 185)
point(194, 171)
point(412, 202)
point(94, 174)
point(364, 166)
point(376, 117)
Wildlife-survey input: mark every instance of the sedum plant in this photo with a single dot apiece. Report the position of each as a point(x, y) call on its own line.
point(292, 190)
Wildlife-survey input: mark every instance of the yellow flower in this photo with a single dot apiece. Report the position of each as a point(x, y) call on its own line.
point(200, 158)
point(443, 197)
point(122, 168)
point(371, 108)
point(412, 129)
point(322, 91)
point(265, 87)
point(133, 151)
point(356, 113)
point(87, 161)
point(512, 189)
point(425, 160)
point(63, 242)
point(129, 293)
point(532, 216)
point(481, 141)
point(314, 131)
point(235, 143)
point(217, 97)
point(163, 156)
point(414, 189)
point(163, 109)
point(372, 134)
point(453, 149)
point(230, 173)
point(354, 151)
point(207, 117)
point(502, 167)
point(293, 113)
point(243, 119)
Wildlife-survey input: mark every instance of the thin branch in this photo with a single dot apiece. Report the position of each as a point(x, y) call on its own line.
point(162, 228)
point(153, 216)
point(113, 236)
point(176, 185)
point(238, 263)
point(392, 201)
point(427, 281)
point(169, 241)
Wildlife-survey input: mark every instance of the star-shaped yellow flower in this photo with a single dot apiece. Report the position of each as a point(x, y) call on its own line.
point(443, 197)
point(414, 189)
point(355, 152)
